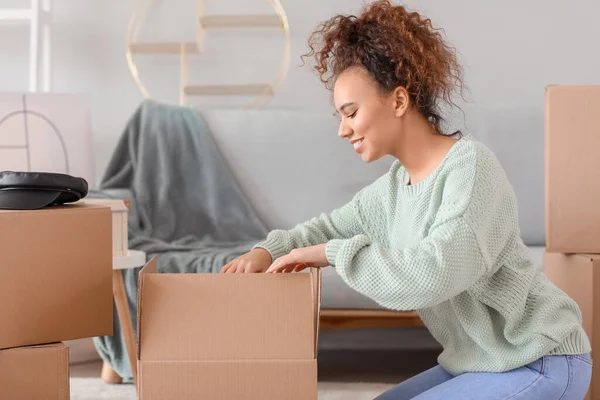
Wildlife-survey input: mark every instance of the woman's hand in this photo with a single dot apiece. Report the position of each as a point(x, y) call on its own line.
point(299, 259)
point(255, 261)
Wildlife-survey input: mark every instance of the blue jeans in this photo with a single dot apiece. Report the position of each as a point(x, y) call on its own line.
point(549, 378)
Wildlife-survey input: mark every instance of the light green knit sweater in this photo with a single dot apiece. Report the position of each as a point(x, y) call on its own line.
point(448, 247)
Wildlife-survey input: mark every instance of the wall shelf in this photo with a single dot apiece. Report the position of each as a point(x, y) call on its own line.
point(163, 47)
point(241, 21)
point(203, 23)
point(228, 90)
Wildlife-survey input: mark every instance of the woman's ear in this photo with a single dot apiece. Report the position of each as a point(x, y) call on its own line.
point(401, 101)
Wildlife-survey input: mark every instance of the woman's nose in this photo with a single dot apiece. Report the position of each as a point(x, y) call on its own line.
point(344, 130)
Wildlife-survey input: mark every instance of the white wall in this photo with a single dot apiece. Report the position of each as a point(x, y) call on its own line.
point(511, 50)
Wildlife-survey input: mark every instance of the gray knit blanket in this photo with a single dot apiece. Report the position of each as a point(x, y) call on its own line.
point(186, 207)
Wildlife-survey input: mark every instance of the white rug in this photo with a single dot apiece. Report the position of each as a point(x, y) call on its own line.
point(96, 389)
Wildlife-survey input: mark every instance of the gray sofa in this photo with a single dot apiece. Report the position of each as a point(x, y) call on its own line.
point(292, 166)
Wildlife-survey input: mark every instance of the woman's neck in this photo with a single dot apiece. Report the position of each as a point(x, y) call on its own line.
point(421, 148)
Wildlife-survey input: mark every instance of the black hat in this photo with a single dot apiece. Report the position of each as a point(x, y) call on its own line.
point(35, 190)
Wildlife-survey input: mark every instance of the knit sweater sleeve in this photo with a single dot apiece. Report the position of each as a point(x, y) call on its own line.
point(438, 268)
point(342, 223)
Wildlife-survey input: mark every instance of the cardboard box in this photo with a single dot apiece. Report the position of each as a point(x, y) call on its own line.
point(120, 211)
point(578, 275)
point(56, 269)
point(572, 169)
point(36, 372)
point(228, 336)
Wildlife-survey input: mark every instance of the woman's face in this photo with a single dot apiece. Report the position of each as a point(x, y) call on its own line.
point(369, 120)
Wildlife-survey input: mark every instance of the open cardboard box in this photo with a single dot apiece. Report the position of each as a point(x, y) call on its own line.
point(35, 372)
point(228, 336)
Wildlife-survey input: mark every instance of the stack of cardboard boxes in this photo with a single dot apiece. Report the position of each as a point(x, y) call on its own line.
point(572, 258)
point(56, 266)
point(209, 336)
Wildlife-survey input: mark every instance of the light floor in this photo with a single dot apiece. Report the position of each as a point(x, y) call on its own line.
point(92, 370)
point(352, 366)
point(86, 385)
point(334, 383)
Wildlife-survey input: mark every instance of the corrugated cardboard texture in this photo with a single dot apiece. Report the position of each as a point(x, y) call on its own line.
point(572, 169)
point(37, 372)
point(227, 317)
point(227, 380)
point(227, 336)
point(56, 271)
point(578, 275)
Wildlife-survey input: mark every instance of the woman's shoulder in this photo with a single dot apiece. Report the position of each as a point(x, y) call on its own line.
point(489, 169)
point(475, 160)
point(473, 173)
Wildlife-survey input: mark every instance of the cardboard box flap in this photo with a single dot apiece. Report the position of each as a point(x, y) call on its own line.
point(149, 268)
point(227, 316)
point(316, 284)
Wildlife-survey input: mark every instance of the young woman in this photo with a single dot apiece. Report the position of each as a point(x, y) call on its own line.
point(439, 232)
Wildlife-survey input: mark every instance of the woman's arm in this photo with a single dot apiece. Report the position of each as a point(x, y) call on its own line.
point(342, 223)
point(438, 268)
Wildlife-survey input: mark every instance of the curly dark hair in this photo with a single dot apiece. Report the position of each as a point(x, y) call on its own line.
point(397, 48)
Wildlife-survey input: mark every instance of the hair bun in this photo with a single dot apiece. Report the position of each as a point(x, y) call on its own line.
point(353, 34)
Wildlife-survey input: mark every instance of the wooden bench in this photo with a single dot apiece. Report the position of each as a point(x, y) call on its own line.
point(358, 319)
